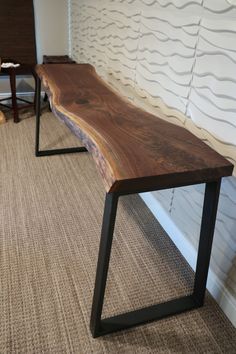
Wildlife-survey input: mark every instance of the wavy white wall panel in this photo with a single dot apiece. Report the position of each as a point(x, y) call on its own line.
point(231, 279)
point(212, 99)
point(166, 55)
point(188, 202)
point(176, 59)
point(165, 198)
point(221, 7)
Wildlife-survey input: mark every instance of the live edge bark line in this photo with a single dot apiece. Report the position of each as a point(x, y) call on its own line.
point(133, 150)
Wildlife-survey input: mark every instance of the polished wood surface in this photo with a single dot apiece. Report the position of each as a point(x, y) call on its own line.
point(135, 151)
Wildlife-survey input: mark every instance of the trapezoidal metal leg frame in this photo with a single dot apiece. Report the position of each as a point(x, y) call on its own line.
point(101, 326)
point(37, 132)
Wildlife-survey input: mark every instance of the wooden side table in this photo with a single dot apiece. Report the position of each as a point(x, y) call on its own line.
point(12, 73)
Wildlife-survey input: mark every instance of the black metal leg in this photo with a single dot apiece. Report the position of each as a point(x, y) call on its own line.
point(38, 114)
point(206, 238)
point(13, 95)
point(100, 326)
point(35, 82)
point(45, 97)
point(103, 262)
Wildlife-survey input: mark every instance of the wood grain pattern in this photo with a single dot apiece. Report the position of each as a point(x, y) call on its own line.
point(134, 150)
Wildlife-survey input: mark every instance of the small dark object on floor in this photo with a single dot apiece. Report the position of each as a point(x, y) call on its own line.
point(12, 72)
point(57, 59)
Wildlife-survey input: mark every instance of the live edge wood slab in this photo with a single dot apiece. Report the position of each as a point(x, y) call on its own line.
point(135, 152)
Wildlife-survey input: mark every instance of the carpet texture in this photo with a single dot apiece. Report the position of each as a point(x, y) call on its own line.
point(50, 219)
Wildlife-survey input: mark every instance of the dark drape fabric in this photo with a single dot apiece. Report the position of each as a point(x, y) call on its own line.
point(17, 31)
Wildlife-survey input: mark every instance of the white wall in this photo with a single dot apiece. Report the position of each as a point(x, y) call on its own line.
point(178, 57)
point(51, 30)
point(51, 25)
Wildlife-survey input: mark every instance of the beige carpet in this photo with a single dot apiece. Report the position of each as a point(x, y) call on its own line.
point(50, 220)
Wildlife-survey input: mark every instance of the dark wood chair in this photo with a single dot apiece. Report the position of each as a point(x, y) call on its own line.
point(18, 45)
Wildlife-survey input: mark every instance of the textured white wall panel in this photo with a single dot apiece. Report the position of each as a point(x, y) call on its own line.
point(220, 6)
point(164, 48)
point(212, 99)
point(165, 198)
point(176, 59)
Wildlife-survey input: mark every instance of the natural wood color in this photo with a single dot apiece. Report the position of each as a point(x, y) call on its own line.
point(134, 150)
point(2, 117)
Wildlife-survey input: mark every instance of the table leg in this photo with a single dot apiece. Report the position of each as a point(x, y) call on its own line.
point(13, 95)
point(100, 326)
point(38, 114)
point(103, 262)
point(206, 238)
point(37, 131)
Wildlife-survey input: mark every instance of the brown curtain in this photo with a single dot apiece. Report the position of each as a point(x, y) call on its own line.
point(17, 31)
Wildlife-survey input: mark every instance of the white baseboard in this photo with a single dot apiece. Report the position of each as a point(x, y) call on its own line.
point(7, 94)
point(30, 94)
point(215, 286)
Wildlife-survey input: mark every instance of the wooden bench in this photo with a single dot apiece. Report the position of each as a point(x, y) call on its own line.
point(135, 152)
